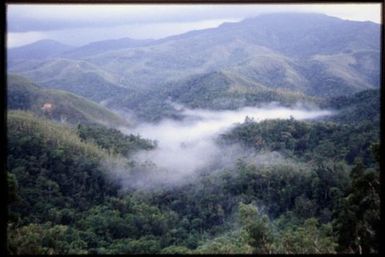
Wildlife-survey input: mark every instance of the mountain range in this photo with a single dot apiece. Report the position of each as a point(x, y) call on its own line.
point(284, 57)
point(138, 147)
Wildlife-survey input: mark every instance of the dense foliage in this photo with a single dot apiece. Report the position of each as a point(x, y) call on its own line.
point(214, 90)
point(114, 140)
point(72, 174)
point(22, 94)
point(323, 199)
point(308, 141)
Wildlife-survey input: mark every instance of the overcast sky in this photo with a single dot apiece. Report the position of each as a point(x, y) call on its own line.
point(79, 24)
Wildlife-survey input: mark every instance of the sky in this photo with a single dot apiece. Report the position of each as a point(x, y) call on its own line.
point(79, 24)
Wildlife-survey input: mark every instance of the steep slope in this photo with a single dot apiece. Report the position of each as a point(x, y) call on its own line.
point(218, 90)
point(57, 181)
point(306, 34)
point(225, 90)
point(56, 170)
point(343, 73)
point(310, 54)
point(39, 50)
point(56, 104)
point(277, 50)
point(106, 45)
point(362, 107)
point(76, 76)
point(173, 60)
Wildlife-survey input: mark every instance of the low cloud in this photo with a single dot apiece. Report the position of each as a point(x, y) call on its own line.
point(187, 147)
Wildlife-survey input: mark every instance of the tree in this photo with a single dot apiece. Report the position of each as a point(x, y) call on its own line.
point(175, 249)
point(358, 219)
point(257, 227)
point(12, 187)
point(308, 238)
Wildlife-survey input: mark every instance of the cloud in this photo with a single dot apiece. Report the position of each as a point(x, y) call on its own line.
point(37, 17)
point(78, 24)
point(19, 39)
point(22, 18)
point(187, 147)
point(83, 35)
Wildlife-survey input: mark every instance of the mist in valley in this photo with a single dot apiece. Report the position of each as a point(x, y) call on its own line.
point(205, 129)
point(189, 146)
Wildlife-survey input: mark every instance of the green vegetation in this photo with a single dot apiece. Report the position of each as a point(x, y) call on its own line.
point(360, 107)
point(113, 140)
point(64, 106)
point(219, 90)
point(62, 200)
point(56, 165)
point(312, 54)
point(308, 141)
point(71, 176)
point(215, 91)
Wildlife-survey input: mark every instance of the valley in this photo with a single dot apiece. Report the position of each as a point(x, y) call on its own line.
point(255, 137)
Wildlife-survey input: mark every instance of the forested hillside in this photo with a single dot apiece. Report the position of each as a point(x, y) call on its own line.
point(59, 105)
point(271, 57)
point(255, 137)
point(323, 199)
point(61, 200)
point(360, 107)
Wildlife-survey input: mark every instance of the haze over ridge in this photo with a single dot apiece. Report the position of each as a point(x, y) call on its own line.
point(28, 23)
point(272, 57)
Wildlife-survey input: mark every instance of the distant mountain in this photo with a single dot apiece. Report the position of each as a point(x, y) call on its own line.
point(310, 55)
point(76, 76)
point(222, 90)
point(305, 34)
point(59, 105)
point(213, 90)
point(106, 45)
point(38, 50)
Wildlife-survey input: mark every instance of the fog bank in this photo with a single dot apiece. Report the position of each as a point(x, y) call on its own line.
point(187, 146)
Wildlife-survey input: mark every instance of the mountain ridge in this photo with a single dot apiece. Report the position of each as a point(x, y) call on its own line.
point(322, 57)
point(58, 105)
point(41, 49)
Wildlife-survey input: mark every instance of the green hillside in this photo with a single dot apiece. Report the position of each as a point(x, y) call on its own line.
point(310, 54)
point(56, 180)
point(224, 90)
point(61, 200)
point(60, 105)
point(52, 173)
point(364, 106)
point(255, 137)
point(214, 90)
